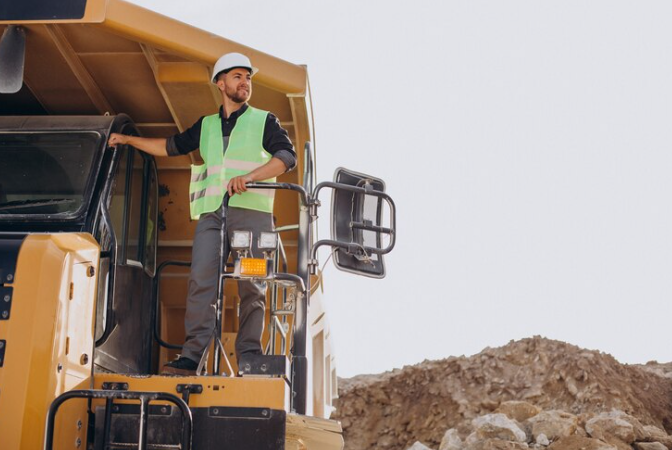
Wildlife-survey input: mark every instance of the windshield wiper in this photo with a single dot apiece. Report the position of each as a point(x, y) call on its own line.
point(21, 204)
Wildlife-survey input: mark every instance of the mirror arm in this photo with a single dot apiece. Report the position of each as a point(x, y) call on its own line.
point(350, 247)
point(289, 186)
point(313, 253)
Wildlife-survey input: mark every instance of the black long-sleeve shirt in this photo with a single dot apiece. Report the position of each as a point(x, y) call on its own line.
point(275, 140)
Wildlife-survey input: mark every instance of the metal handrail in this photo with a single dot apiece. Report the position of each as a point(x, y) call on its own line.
point(156, 289)
point(155, 297)
point(273, 278)
point(299, 381)
point(145, 399)
point(309, 168)
point(301, 281)
point(274, 295)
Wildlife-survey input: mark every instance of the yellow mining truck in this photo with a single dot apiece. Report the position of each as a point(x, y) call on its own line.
point(95, 243)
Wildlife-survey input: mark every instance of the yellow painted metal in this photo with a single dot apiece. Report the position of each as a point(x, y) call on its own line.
point(78, 69)
point(139, 24)
point(50, 334)
point(183, 72)
point(71, 422)
point(134, 22)
point(217, 391)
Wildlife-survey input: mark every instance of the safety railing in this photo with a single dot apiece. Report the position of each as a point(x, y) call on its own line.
point(280, 307)
point(279, 325)
point(145, 398)
point(156, 290)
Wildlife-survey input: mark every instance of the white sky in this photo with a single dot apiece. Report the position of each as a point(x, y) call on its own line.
point(527, 147)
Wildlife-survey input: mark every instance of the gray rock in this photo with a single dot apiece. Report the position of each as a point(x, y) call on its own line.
point(471, 440)
point(451, 441)
point(580, 443)
point(498, 426)
point(517, 410)
point(554, 424)
point(638, 428)
point(541, 439)
point(655, 434)
point(607, 424)
point(649, 446)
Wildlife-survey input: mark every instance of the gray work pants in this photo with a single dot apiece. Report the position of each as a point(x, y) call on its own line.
point(199, 320)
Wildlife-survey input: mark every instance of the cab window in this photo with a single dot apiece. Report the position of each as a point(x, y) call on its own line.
point(132, 209)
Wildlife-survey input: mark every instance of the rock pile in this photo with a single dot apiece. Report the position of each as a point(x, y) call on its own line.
point(534, 393)
point(553, 430)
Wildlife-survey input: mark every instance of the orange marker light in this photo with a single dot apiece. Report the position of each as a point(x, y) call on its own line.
point(253, 267)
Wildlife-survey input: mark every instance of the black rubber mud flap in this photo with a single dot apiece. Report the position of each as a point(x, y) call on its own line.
point(239, 428)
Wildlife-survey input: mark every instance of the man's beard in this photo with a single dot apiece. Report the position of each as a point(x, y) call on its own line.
point(237, 96)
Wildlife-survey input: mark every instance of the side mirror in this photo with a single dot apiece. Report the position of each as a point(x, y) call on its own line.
point(359, 233)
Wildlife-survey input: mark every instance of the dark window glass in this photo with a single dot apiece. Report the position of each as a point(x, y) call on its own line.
point(45, 173)
point(42, 9)
point(132, 208)
point(135, 213)
point(151, 227)
point(117, 205)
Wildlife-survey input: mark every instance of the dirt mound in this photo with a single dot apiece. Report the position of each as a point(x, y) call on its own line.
point(419, 403)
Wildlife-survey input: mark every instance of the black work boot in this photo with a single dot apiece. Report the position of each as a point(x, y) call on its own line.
point(180, 366)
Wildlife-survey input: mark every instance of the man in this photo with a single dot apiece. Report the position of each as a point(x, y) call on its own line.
point(239, 145)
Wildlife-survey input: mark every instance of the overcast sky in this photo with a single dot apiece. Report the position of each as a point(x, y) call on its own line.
point(527, 146)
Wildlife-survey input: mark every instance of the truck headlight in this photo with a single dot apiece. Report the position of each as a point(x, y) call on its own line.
point(241, 240)
point(268, 241)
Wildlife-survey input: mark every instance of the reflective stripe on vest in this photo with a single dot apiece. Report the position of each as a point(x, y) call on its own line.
point(245, 152)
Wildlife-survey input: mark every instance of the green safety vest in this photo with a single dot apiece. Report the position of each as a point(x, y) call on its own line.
point(244, 153)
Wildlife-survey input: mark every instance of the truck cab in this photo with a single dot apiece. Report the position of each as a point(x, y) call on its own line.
point(58, 175)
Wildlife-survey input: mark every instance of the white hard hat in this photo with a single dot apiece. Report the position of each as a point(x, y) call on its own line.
point(231, 61)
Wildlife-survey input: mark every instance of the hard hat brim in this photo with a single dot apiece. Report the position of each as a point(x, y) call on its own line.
point(253, 71)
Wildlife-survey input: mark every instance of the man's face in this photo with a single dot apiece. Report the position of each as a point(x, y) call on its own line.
point(237, 84)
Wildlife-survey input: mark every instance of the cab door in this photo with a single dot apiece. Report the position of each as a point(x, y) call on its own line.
point(123, 330)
